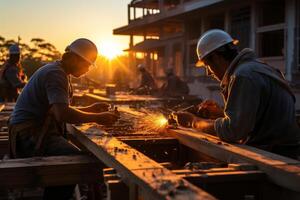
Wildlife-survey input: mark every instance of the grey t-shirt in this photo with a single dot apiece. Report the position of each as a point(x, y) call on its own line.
point(47, 86)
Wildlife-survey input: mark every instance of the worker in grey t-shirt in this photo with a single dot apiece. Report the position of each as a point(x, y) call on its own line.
point(37, 122)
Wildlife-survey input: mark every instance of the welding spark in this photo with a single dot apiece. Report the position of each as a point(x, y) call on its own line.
point(161, 121)
point(153, 122)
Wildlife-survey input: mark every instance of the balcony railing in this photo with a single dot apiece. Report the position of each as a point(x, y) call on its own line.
point(139, 9)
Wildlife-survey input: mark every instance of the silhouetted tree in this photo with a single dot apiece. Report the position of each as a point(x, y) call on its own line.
point(34, 55)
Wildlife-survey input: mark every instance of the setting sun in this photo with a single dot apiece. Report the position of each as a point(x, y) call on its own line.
point(110, 49)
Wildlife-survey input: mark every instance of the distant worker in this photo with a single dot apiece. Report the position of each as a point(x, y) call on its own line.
point(174, 86)
point(259, 104)
point(147, 84)
point(37, 122)
point(12, 77)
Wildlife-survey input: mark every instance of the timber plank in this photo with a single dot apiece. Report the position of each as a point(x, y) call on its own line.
point(127, 98)
point(49, 171)
point(281, 170)
point(2, 106)
point(136, 168)
point(213, 177)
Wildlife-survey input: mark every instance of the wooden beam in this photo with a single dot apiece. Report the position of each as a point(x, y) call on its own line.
point(217, 177)
point(49, 171)
point(281, 170)
point(137, 169)
point(268, 28)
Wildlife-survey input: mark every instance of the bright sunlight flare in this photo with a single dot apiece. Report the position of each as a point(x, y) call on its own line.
point(109, 49)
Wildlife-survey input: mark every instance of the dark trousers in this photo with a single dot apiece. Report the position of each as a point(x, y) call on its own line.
point(53, 145)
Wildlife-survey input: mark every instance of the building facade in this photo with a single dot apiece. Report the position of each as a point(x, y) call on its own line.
point(164, 33)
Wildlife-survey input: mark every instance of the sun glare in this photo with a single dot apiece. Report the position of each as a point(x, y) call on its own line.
point(110, 49)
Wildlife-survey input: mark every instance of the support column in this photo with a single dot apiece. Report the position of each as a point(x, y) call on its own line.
point(134, 12)
point(161, 6)
point(129, 13)
point(131, 63)
point(253, 26)
point(227, 21)
point(290, 16)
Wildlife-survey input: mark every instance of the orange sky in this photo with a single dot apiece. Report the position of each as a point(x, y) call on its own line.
point(62, 21)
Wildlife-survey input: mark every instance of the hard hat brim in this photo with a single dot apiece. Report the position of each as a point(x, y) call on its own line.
point(200, 63)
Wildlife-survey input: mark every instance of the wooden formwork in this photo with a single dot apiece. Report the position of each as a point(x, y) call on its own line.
point(134, 166)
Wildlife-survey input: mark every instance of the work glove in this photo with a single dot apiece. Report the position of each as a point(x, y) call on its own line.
point(107, 118)
point(210, 109)
point(185, 119)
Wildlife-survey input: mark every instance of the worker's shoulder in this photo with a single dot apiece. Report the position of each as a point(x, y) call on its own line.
point(51, 69)
point(249, 69)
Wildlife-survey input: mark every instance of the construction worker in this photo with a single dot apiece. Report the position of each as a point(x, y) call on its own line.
point(174, 86)
point(147, 84)
point(12, 77)
point(259, 105)
point(37, 122)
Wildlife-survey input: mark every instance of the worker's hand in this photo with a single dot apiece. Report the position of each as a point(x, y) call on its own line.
point(97, 107)
point(210, 109)
point(185, 119)
point(107, 118)
point(205, 125)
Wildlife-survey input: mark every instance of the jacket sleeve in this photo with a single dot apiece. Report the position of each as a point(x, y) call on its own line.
point(240, 110)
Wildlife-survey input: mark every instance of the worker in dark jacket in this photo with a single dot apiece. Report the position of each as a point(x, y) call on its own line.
point(174, 86)
point(259, 105)
point(147, 84)
point(37, 122)
point(12, 76)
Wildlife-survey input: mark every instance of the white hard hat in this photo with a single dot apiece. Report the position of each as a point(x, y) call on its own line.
point(141, 66)
point(212, 40)
point(14, 49)
point(84, 48)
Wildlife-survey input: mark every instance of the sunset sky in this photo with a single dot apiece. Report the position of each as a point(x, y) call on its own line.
point(61, 21)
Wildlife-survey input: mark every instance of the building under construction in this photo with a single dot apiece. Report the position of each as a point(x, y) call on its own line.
point(146, 153)
point(170, 29)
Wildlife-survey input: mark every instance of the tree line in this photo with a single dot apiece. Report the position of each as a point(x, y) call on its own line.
point(34, 54)
point(38, 52)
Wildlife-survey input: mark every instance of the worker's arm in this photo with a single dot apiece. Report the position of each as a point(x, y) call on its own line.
point(95, 108)
point(240, 110)
point(210, 109)
point(187, 119)
point(65, 113)
point(56, 86)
